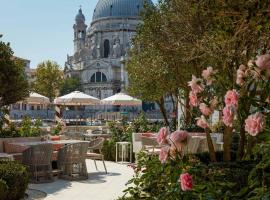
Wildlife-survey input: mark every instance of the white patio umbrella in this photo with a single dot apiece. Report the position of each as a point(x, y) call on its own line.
point(35, 98)
point(76, 99)
point(121, 99)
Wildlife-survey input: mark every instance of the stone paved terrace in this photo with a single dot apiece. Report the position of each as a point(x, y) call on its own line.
point(99, 186)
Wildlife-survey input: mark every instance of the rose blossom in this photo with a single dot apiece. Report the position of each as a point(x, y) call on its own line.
point(162, 136)
point(241, 74)
point(186, 181)
point(255, 123)
point(193, 99)
point(207, 75)
point(231, 98)
point(164, 154)
point(205, 110)
point(263, 61)
point(178, 136)
point(202, 122)
point(228, 115)
point(196, 85)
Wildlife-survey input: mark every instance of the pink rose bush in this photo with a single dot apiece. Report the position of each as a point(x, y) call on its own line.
point(179, 136)
point(162, 136)
point(202, 122)
point(205, 110)
point(193, 99)
point(263, 62)
point(228, 115)
point(196, 85)
point(207, 74)
point(241, 75)
point(164, 154)
point(231, 98)
point(186, 182)
point(254, 124)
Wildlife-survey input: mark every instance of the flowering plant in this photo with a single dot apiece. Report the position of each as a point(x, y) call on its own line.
point(245, 106)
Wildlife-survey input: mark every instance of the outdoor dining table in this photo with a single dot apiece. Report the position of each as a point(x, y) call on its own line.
point(63, 142)
point(6, 157)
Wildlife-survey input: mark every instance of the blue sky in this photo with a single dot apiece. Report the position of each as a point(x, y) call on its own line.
point(39, 30)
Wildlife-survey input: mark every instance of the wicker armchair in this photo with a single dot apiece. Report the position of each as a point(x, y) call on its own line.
point(71, 161)
point(39, 160)
point(95, 147)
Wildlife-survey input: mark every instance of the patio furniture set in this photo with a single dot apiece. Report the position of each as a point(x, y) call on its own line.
point(69, 155)
point(196, 143)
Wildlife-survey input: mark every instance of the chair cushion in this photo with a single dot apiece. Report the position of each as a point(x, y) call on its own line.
point(148, 134)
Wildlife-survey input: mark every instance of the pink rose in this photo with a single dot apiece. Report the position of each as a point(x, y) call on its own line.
point(193, 99)
point(231, 98)
point(162, 136)
point(205, 110)
point(228, 115)
point(202, 122)
point(255, 124)
point(186, 182)
point(196, 85)
point(207, 74)
point(263, 61)
point(178, 136)
point(241, 75)
point(164, 154)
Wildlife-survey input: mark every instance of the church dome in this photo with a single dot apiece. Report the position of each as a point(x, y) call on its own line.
point(118, 8)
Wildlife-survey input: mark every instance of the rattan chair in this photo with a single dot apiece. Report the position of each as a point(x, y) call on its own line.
point(71, 161)
point(39, 160)
point(95, 153)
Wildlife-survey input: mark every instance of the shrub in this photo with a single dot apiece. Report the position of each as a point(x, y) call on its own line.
point(14, 180)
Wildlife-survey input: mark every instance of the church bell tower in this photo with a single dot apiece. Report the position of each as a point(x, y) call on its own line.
point(79, 31)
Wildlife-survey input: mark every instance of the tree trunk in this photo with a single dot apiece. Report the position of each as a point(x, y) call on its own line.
point(163, 111)
point(242, 143)
point(211, 148)
point(227, 139)
point(174, 117)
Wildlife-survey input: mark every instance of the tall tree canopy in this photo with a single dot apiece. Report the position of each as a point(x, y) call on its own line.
point(70, 85)
point(13, 82)
point(179, 38)
point(49, 78)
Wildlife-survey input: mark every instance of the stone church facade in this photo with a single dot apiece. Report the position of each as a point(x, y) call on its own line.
point(101, 49)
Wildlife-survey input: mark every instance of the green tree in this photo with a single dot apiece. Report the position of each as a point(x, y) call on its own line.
point(13, 82)
point(70, 85)
point(49, 78)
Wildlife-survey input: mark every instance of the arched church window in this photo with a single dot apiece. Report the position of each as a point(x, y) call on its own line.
point(104, 78)
point(93, 78)
point(98, 77)
point(106, 48)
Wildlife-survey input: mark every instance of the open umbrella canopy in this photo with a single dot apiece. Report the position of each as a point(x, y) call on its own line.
point(122, 99)
point(76, 98)
point(35, 98)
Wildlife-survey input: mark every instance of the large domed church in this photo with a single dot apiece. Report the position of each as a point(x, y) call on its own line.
point(101, 47)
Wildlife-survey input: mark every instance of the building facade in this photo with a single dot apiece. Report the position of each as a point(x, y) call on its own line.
point(101, 48)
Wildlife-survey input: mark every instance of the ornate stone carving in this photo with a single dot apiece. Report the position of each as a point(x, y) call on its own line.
point(117, 48)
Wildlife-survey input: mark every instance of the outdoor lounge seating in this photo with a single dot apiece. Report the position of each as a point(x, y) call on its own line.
point(71, 161)
point(38, 159)
point(95, 147)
